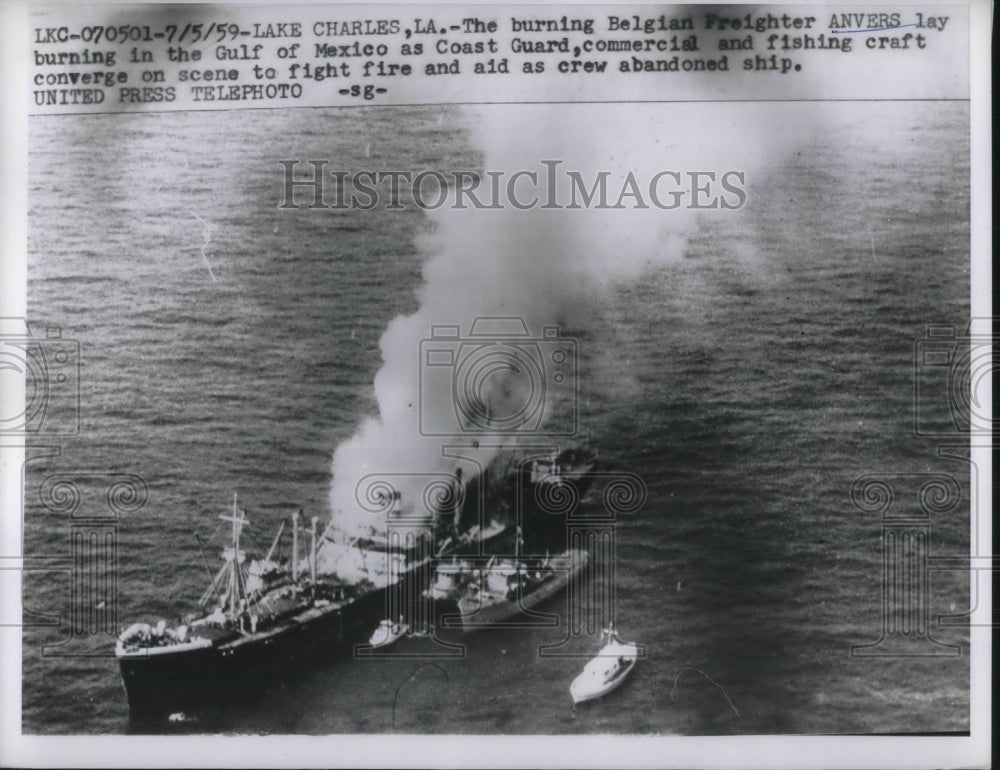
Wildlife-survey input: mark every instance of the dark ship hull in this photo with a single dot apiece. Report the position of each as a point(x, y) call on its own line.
point(161, 681)
point(223, 656)
point(267, 618)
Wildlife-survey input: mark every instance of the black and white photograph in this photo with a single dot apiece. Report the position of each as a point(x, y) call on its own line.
point(476, 374)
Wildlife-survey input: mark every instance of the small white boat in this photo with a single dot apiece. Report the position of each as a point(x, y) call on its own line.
point(605, 672)
point(388, 633)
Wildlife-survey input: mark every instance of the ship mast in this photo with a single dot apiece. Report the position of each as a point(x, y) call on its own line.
point(295, 545)
point(237, 587)
point(231, 573)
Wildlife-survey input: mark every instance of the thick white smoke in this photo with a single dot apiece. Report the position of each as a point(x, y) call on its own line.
point(547, 266)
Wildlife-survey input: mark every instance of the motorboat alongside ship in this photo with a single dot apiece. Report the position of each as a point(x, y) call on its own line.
point(388, 633)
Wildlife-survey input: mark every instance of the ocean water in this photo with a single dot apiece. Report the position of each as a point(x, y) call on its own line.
point(749, 384)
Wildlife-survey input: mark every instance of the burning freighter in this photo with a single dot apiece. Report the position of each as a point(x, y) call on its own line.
point(273, 613)
point(266, 615)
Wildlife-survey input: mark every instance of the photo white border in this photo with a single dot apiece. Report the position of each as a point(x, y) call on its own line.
point(466, 751)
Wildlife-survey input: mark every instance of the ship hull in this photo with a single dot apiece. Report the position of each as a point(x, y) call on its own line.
point(506, 613)
point(160, 684)
point(510, 614)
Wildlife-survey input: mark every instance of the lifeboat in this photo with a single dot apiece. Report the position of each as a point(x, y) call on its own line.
point(607, 670)
point(388, 633)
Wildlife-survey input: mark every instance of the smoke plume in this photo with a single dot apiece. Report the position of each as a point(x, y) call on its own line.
point(546, 266)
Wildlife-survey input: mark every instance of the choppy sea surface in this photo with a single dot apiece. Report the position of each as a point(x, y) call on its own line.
point(748, 393)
